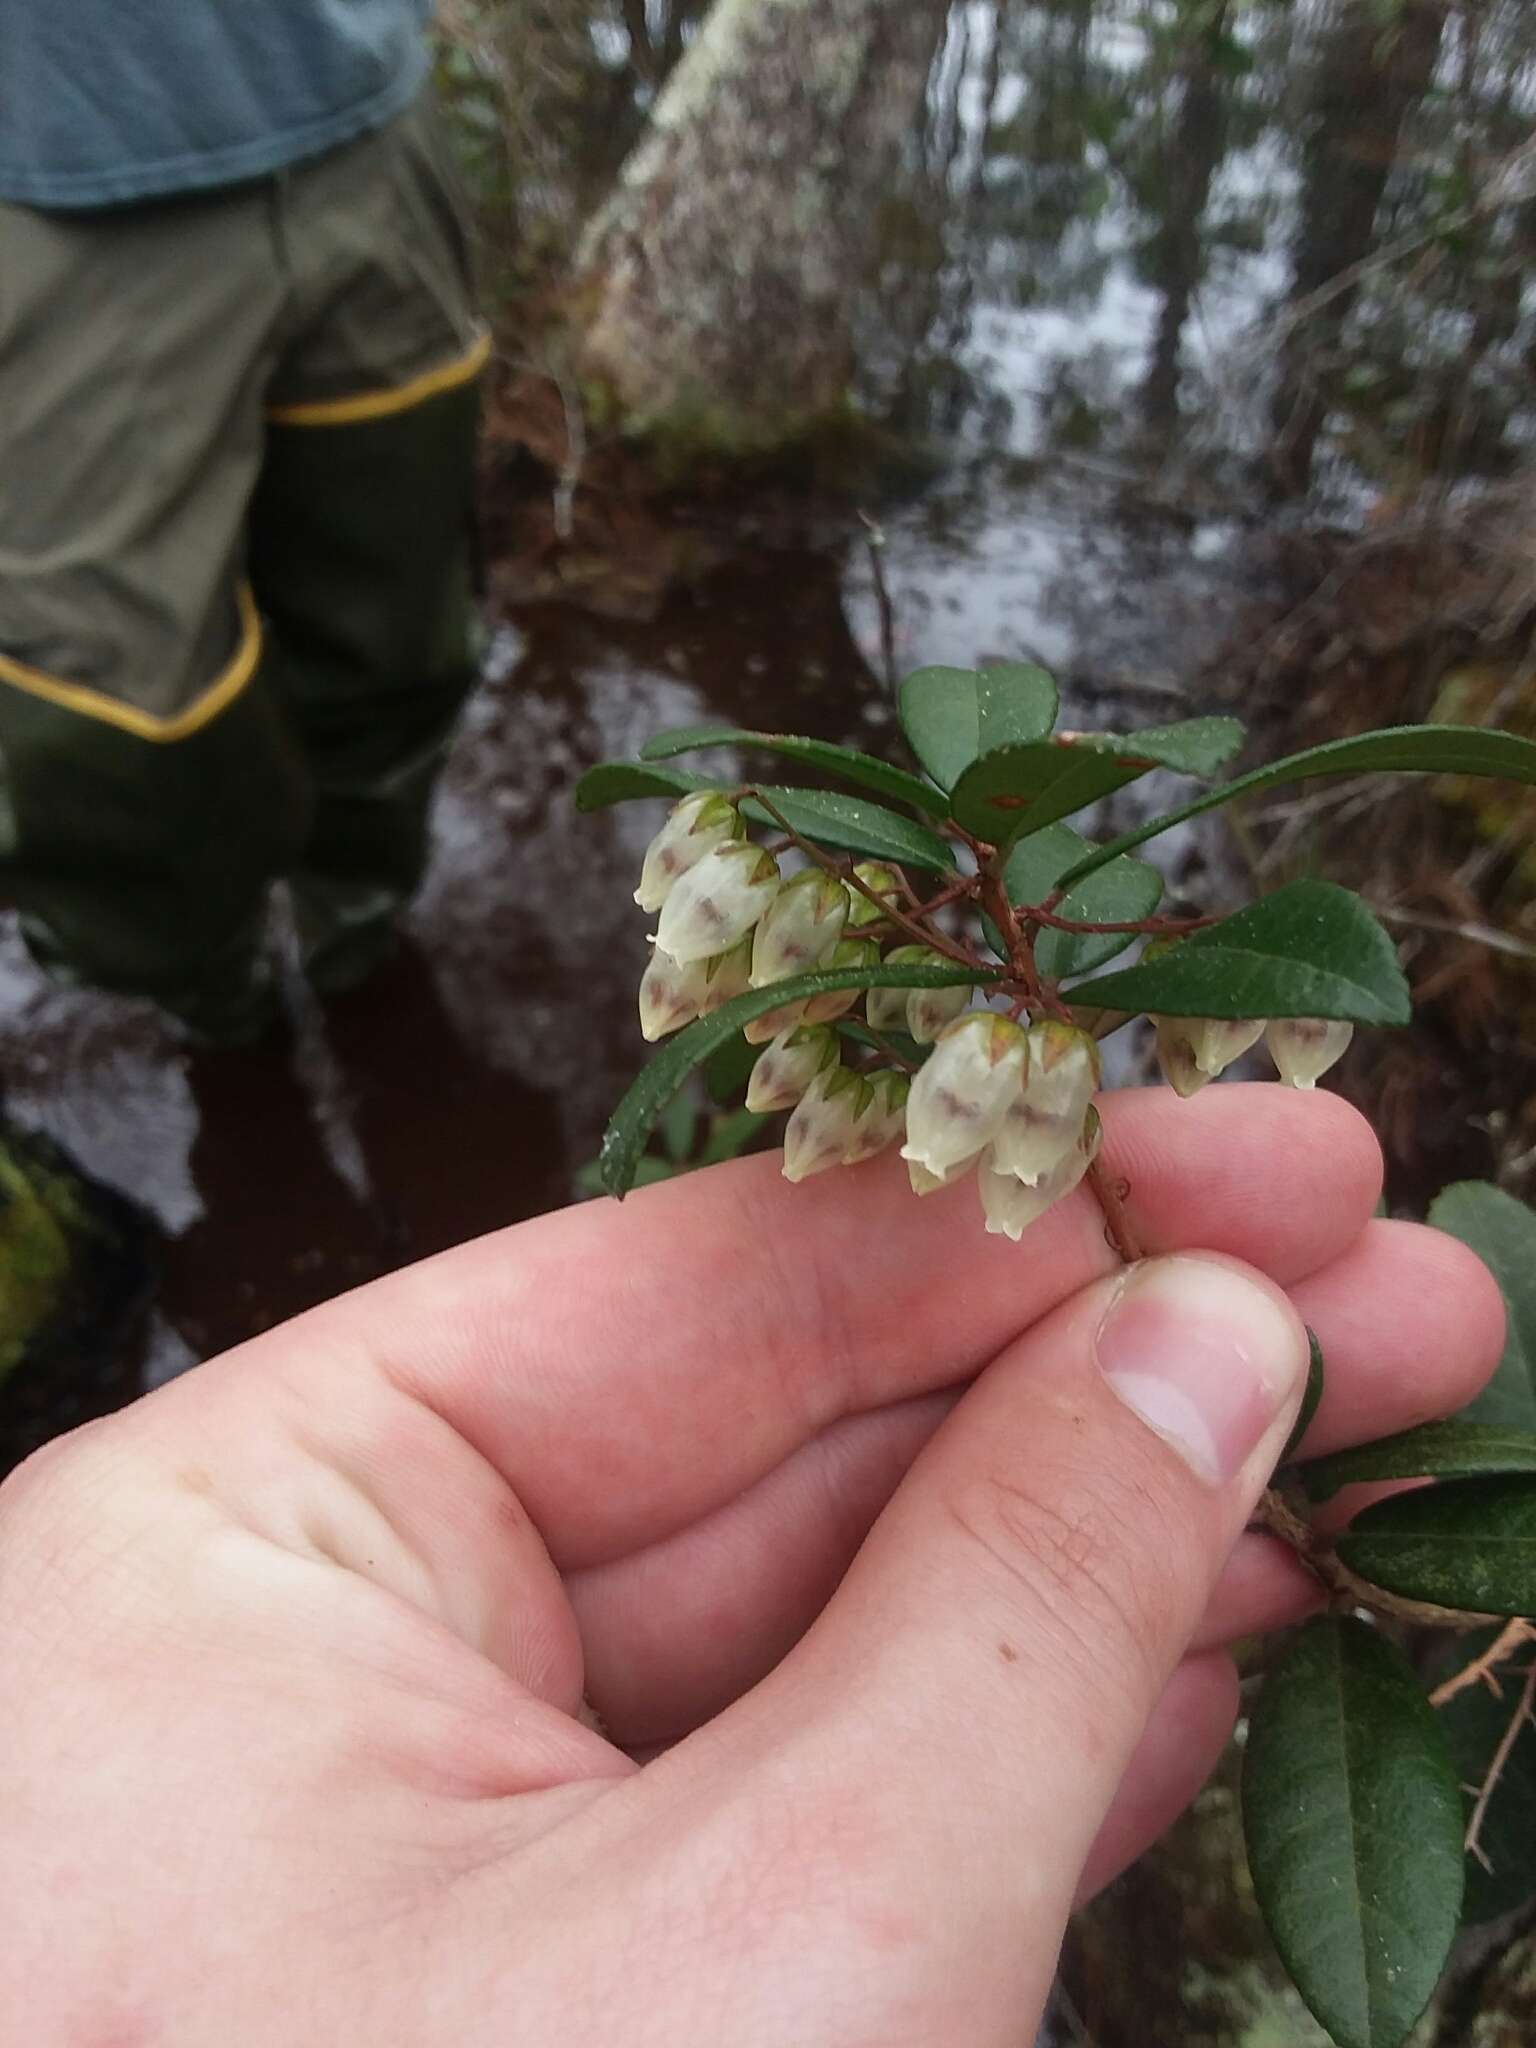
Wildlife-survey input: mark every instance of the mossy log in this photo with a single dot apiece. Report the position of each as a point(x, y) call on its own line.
point(715, 287)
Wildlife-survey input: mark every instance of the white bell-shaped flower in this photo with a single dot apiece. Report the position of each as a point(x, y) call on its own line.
point(1011, 1205)
point(846, 953)
point(693, 827)
point(1194, 1050)
point(671, 994)
point(799, 928)
point(774, 1023)
point(926, 1183)
point(884, 1119)
point(821, 1125)
point(728, 975)
point(930, 1009)
point(1304, 1048)
point(962, 1094)
point(886, 1008)
point(717, 901)
point(788, 1067)
point(1046, 1119)
point(883, 881)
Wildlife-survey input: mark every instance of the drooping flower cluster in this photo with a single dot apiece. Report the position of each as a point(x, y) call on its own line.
point(999, 1095)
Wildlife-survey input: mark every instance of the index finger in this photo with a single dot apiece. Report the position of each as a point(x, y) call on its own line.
point(630, 1368)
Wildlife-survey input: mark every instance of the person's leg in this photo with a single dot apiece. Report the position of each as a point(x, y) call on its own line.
point(360, 537)
point(149, 789)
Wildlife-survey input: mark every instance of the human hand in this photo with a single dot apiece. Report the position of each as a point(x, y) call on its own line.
point(822, 1498)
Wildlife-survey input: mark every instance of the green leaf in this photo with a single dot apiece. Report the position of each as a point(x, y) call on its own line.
point(1476, 1721)
point(677, 1124)
point(1395, 750)
point(950, 715)
point(825, 816)
point(620, 782)
point(731, 1135)
point(854, 825)
point(1124, 890)
point(883, 1041)
point(1015, 790)
point(1502, 1232)
point(656, 1084)
point(1311, 949)
point(1437, 1450)
point(729, 1067)
point(1468, 1544)
point(847, 762)
point(1352, 1816)
point(1316, 1374)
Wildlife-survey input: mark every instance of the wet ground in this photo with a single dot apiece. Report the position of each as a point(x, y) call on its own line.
point(1106, 214)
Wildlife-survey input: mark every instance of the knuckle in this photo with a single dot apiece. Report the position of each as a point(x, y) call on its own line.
point(1094, 1561)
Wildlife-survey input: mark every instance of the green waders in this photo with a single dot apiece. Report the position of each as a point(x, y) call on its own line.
point(236, 450)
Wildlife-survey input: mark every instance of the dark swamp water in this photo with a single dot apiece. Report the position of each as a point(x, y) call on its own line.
point(1117, 391)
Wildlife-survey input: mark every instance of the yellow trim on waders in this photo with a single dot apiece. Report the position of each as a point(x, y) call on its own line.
point(377, 405)
point(145, 725)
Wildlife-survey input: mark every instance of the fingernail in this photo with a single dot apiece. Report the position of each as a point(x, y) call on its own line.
point(1205, 1356)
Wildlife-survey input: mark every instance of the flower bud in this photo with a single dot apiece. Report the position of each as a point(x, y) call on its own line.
point(1045, 1120)
point(1194, 1050)
point(846, 953)
point(774, 1023)
point(789, 1066)
point(1011, 1205)
point(1304, 1048)
point(694, 826)
point(882, 1121)
point(717, 901)
point(671, 994)
point(727, 976)
point(821, 1125)
point(799, 928)
point(926, 1183)
point(884, 881)
point(961, 1096)
point(886, 1008)
point(930, 1009)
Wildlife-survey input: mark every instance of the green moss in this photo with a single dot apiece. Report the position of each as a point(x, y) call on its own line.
point(40, 1215)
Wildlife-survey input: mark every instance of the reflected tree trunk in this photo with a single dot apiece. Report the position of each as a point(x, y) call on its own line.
point(1195, 147)
point(717, 282)
point(1365, 80)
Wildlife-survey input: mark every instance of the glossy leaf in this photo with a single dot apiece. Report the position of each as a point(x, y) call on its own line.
point(1394, 750)
point(1124, 890)
point(1015, 790)
point(653, 1088)
point(621, 782)
point(847, 762)
point(1437, 1450)
point(1309, 950)
point(1502, 1232)
point(853, 825)
point(1316, 1378)
point(1468, 1544)
point(1476, 1720)
point(848, 823)
point(950, 715)
point(1353, 1821)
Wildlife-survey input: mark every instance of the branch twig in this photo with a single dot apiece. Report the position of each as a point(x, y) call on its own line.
point(1501, 1756)
point(1481, 1669)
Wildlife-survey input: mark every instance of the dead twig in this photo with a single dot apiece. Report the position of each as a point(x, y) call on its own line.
point(1501, 1756)
point(1481, 1669)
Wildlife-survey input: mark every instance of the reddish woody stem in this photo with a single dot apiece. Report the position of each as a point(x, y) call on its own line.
point(964, 956)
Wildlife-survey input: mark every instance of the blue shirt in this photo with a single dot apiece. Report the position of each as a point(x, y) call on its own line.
point(109, 100)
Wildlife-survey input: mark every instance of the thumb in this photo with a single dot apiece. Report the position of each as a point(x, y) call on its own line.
point(992, 1659)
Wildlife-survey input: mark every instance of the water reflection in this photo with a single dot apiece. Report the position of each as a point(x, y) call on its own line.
point(1103, 327)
